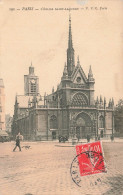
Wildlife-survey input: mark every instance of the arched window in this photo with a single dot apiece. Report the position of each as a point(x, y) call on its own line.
point(79, 99)
point(101, 122)
point(83, 119)
point(53, 122)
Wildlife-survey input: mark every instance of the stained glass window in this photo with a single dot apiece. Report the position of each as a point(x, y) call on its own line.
point(101, 122)
point(79, 100)
point(53, 122)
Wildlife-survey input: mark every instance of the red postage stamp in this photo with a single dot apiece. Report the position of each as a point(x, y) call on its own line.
point(90, 158)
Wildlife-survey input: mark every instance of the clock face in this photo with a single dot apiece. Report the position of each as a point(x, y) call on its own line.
point(33, 81)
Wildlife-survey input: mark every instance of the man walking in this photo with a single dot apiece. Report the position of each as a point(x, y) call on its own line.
point(18, 138)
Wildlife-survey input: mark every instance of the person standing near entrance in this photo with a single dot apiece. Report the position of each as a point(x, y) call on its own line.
point(18, 138)
point(88, 138)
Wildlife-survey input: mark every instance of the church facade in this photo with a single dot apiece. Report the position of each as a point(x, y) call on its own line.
point(68, 111)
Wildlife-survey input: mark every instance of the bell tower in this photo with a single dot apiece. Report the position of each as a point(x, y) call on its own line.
point(31, 83)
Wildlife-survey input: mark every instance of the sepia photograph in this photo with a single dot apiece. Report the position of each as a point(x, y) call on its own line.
point(61, 97)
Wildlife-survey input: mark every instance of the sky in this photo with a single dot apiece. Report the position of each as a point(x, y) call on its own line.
point(41, 37)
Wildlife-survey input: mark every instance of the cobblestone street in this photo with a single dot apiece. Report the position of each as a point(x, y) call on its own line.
point(44, 169)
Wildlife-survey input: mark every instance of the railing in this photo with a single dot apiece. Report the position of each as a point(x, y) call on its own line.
point(83, 106)
point(75, 85)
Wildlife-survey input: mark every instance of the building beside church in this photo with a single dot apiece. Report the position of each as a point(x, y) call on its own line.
point(2, 105)
point(69, 110)
point(8, 123)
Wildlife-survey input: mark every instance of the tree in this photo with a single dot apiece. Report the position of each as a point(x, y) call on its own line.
point(118, 118)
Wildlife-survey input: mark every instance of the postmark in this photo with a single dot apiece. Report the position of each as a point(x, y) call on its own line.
point(89, 161)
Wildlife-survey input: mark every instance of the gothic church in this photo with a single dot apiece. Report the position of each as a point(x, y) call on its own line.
point(68, 111)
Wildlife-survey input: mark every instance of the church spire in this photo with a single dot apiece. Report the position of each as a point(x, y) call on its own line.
point(78, 62)
point(90, 75)
point(70, 44)
point(65, 73)
point(70, 51)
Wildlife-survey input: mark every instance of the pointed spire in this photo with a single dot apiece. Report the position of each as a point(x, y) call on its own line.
point(97, 101)
point(104, 100)
point(70, 44)
point(16, 97)
point(90, 72)
point(45, 94)
point(104, 103)
point(78, 62)
point(70, 51)
point(90, 75)
point(101, 99)
point(65, 73)
point(110, 103)
point(113, 101)
point(53, 90)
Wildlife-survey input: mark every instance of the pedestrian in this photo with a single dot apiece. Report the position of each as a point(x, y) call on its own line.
point(88, 138)
point(112, 137)
point(18, 138)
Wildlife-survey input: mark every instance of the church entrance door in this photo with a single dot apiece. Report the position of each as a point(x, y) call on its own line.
point(54, 135)
point(81, 132)
point(84, 126)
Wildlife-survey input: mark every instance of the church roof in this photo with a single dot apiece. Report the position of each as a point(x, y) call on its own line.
point(22, 100)
point(1, 83)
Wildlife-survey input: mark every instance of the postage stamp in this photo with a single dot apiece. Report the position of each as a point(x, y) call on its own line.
point(90, 158)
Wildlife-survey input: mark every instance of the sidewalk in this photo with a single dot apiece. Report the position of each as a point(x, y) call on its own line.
point(44, 169)
point(80, 141)
point(85, 140)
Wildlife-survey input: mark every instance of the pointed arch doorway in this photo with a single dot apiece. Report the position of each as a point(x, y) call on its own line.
point(83, 125)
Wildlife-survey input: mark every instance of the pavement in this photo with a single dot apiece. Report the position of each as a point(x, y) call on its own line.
point(43, 168)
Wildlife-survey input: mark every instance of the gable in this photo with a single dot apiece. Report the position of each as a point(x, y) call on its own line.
point(79, 76)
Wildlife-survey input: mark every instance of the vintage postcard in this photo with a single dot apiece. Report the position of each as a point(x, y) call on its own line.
point(61, 97)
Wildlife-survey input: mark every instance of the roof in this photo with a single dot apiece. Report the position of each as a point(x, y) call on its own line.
point(22, 100)
point(3, 133)
point(1, 83)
